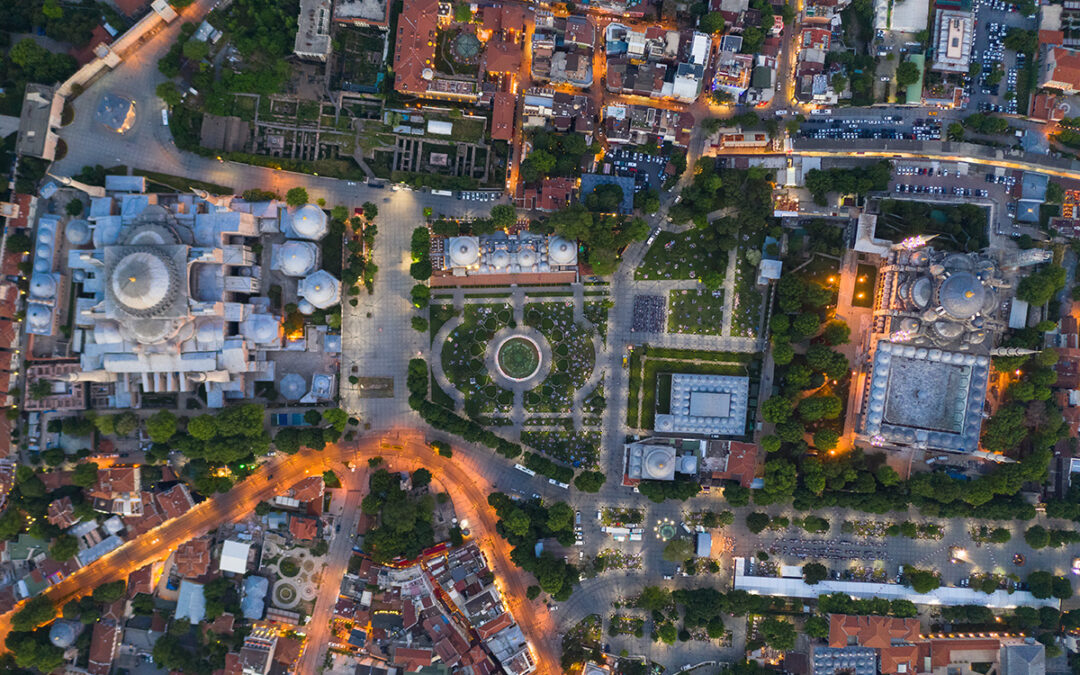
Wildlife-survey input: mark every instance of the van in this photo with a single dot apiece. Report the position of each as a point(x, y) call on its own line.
point(164, 117)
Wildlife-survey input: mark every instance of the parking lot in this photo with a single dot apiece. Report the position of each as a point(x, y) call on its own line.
point(886, 126)
point(993, 19)
point(953, 183)
point(646, 170)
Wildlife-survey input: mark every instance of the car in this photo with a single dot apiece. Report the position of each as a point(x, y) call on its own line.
point(537, 496)
point(598, 514)
point(577, 518)
point(886, 79)
point(337, 528)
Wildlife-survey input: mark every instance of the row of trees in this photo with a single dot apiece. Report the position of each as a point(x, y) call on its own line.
point(523, 524)
point(857, 181)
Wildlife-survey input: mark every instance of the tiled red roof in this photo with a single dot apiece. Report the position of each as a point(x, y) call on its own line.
point(54, 480)
point(103, 646)
point(308, 489)
point(303, 528)
point(61, 513)
point(192, 558)
point(414, 50)
point(175, 501)
point(504, 620)
point(117, 480)
point(941, 651)
point(412, 659)
point(502, 116)
point(555, 193)
point(141, 581)
point(85, 54)
point(741, 464)
point(151, 517)
point(287, 651)
point(223, 625)
point(876, 632)
point(502, 57)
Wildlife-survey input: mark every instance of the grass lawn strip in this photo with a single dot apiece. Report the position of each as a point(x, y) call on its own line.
point(577, 449)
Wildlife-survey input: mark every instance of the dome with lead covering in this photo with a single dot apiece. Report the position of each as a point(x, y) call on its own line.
point(309, 222)
point(659, 463)
point(962, 295)
point(38, 316)
point(561, 251)
point(500, 260)
point(321, 289)
point(297, 258)
point(464, 251)
point(77, 232)
point(144, 281)
point(42, 286)
point(261, 328)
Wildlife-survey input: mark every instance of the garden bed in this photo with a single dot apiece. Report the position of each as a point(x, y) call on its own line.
point(576, 449)
point(463, 358)
point(573, 356)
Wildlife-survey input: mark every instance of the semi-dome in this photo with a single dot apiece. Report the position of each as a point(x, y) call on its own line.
point(962, 295)
point(309, 222)
point(464, 251)
point(38, 316)
point(561, 251)
point(143, 281)
point(921, 291)
point(948, 330)
point(297, 258)
point(42, 286)
point(77, 232)
point(321, 289)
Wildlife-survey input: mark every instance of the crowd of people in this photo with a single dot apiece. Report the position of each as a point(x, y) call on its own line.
point(648, 314)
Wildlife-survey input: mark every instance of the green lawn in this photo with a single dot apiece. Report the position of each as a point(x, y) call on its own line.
point(679, 256)
point(463, 358)
point(573, 352)
point(695, 311)
point(577, 449)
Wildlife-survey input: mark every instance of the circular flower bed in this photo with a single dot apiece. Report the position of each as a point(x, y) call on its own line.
point(288, 568)
point(519, 358)
point(285, 594)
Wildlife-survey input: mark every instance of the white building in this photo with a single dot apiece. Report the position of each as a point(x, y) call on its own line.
point(313, 30)
point(234, 556)
point(170, 307)
point(954, 33)
point(500, 253)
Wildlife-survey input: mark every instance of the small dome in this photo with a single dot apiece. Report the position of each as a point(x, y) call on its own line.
point(297, 258)
point(305, 307)
point(321, 289)
point(63, 633)
point(38, 316)
point(309, 222)
point(948, 330)
point(44, 251)
point(261, 329)
point(962, 295)
point(561, 251)
point(500, 260)
point(526, 258)
point(464, 251)
point(77, 232)
point(42, 286)
point(292, 387)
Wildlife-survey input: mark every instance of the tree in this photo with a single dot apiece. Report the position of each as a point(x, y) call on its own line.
point(203, 427)
point(85, 474)
point(296, 196)
point(757, 521)
point(814, 572)
point(921, 581)
point(37, 611)
point(560, 517)
point(825, 439)
point(262, 508)
point(771, 443)
point(713, 23)
point(503, 216)
point(589, 481)
point(839, 82)
point(1037, 288)
point(907, 73)
point(195, 50)
point(161, 426)
point(421, 270)
point(370, 210)
point(678, 550)
point(817, 627)
point(63, 547)
point(462, 12)
point(40, 388)
point(420, 295)
point(74, 208)
point(777, 633)
point(776, 409)
point(1055, 194)
point(421, 478)
point(836, 333)
point(143, 604)
point(1041, 584)
point(109, 593)
point(1037, 537)
point(125, 423)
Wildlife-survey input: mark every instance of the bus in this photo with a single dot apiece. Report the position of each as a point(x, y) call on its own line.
point(522, 468)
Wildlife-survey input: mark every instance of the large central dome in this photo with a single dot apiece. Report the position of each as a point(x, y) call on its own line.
point(962, 295)
point(143, 281)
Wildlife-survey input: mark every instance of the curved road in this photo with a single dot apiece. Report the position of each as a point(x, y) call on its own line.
point(459, 476)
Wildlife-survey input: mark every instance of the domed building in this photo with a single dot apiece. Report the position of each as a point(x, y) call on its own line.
point(320, 289)
point(45, 283)
point(937, 315)
point(307, 222)
point(174, 286)
point(507, 254)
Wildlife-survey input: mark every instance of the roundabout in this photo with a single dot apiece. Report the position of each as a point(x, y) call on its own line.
point(518, 358)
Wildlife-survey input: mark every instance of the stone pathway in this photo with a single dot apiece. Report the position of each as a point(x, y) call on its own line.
point(436, 359)
point(729, 291)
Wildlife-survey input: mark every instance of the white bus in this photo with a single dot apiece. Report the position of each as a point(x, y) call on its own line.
point(522, 468)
